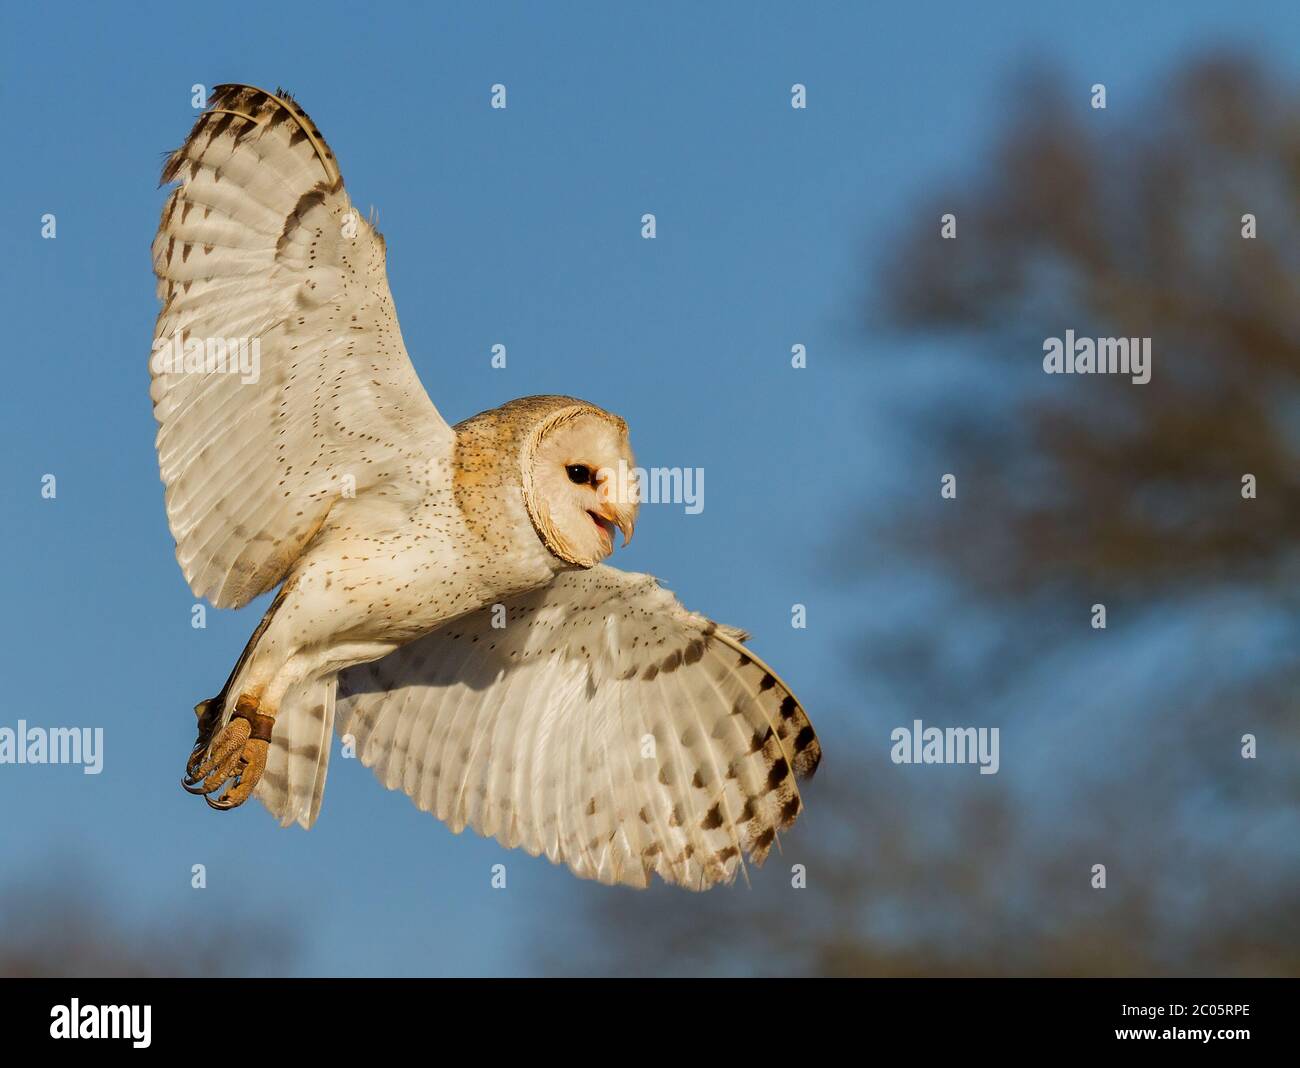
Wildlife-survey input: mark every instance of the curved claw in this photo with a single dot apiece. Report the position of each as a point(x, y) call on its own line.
point(233, 760)
point(191, 778)
point(223, 805)
point(244, 777)
point(196, 769)
point(210, 785)
point(188, 785)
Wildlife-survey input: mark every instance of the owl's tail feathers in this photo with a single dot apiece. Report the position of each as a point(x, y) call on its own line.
point(294, 781)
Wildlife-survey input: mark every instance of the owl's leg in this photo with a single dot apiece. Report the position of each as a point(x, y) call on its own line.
point(236, 756)
point(288, 648)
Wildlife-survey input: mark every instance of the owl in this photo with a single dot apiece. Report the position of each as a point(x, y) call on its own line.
point(442, 599)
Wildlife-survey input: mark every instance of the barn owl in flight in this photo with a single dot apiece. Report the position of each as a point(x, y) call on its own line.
point(442, 597)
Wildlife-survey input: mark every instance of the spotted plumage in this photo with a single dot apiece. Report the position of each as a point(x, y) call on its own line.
point(441, 597)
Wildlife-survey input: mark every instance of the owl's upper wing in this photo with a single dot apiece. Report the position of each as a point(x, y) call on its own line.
point(259, 243)
point(603, 724)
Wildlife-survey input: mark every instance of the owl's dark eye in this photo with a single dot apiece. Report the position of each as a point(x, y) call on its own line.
point(578, 473)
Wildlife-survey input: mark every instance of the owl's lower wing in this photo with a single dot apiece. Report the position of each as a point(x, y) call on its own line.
point(595, 720)
point(280, 380)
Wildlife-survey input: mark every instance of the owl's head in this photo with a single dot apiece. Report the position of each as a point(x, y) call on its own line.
point(577, 479)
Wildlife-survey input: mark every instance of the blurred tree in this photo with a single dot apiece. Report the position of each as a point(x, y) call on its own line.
point(55, 926)
point(1129, 229)
point(1073, 489)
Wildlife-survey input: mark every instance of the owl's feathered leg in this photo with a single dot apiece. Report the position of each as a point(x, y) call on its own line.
point(267, 734)
point(239, 750)
point(236, 756)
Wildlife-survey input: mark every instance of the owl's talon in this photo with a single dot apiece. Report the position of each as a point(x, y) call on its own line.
point(251, 765)
point(236, 758)
point(207, 713)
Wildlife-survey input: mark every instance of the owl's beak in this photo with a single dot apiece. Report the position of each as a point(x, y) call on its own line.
point(622, 516)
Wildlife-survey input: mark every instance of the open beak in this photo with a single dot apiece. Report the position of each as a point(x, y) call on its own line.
point(621, 516)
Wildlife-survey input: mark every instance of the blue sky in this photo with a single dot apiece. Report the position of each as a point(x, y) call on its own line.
point(518, 227)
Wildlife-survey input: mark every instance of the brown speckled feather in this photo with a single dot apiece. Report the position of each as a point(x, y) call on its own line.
point(604, 725)
point(259, 241)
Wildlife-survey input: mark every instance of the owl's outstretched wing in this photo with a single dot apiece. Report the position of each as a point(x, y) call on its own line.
point(594, 720)
point(279, 375)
